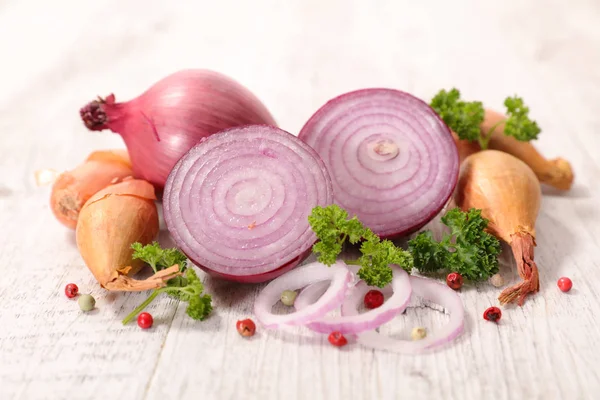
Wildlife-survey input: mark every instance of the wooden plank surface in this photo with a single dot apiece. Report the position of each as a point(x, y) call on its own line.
point(294, 55)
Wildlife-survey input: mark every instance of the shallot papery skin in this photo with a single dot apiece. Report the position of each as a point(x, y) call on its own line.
point(509, 195)
point(172, 116)
point(73, 188)
point(109, 223)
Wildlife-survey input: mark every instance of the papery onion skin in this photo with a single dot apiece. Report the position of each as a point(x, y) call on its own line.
point(259, 278)
point(172, 116)
point(238, 203)
point(371, 164)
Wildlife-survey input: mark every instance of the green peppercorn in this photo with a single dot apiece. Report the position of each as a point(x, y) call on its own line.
point(86, 302)
point(288, 297)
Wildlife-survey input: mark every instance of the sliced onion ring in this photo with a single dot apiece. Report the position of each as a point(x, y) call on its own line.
point(340, 280)
point(237, 204)
point(427, 289)
point(310, 294)
point(392, 160)
point(353, 324)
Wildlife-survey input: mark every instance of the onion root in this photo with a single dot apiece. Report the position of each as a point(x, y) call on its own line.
point(522, 246)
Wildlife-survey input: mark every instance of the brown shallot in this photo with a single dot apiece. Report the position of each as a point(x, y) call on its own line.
point(73, 188)
point(109, 223)
point(509, 195)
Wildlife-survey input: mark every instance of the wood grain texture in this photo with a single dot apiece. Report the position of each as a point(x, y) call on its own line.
point(294, 55)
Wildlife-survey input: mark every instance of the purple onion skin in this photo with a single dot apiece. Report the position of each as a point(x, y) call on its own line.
point(259, 278)
point(416, 227)
point(173, 115)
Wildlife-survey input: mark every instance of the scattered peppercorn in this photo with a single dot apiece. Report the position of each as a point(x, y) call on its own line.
point(373, 299)
point(246, 327)
point(454, 280)
point(492, 314)
point(86, 302)
point(288, 297)
point(418, 333)
point(565, 284)
point(145, 320)
point(71, 290)
point(337, 339)
point(497, 280)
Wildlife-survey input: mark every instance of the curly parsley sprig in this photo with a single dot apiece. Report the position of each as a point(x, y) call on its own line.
point(333, 228)
point(187, 287)
point(467, 249)
point(465, 118)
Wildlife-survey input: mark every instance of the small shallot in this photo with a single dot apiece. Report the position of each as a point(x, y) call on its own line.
point(73, 188)
point(509, 195)
point(109, 223)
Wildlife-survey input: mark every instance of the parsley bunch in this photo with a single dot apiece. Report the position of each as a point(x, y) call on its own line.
point(468, 249)
point(465, 118)
point(333, 227)
point(187, 287)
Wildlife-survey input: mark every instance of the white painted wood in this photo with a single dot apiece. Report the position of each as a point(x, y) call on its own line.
point(294, 55)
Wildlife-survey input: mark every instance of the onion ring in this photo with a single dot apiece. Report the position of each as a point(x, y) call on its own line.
point(367, 321)
point(340, 277)
point(424, 288)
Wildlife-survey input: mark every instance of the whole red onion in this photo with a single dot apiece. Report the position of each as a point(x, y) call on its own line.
point(172, 116)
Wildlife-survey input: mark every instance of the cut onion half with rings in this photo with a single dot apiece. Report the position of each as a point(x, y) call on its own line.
point(392, 160)
point(238, 203)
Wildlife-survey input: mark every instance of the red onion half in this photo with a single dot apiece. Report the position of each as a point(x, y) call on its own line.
point(392, 160)
point(172, 116)
point(237, 204)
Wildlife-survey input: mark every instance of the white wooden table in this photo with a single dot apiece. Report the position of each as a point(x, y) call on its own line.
point(294, 55)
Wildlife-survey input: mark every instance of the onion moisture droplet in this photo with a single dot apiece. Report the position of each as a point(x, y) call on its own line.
point(392, 160)
point(257, 176)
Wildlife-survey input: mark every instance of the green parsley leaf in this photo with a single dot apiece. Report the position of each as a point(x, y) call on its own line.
point(468, 249)
point(190, 291)
point(464, 118)
point(186, 288)
point(157, 257)
point(333, 228)
point(518, 124)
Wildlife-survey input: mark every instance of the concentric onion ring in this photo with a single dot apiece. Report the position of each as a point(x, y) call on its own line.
point(427, 289)
point(338, 276)
point(392, 160)
point(396, 304)
point(237, 204)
